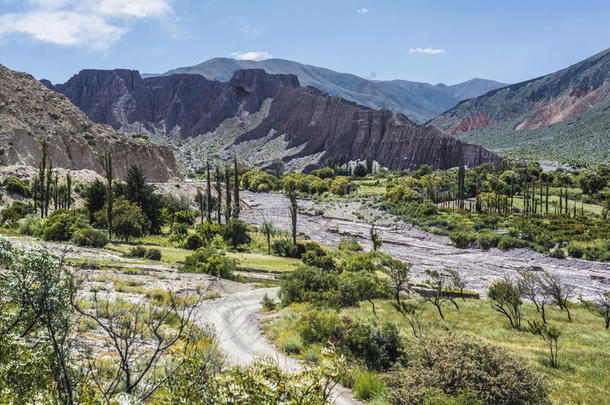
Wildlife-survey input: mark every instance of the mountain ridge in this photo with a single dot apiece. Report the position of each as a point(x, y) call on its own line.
point(418, 101)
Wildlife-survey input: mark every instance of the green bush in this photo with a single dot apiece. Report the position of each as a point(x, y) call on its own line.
point(454, 364)
point(180, 229)
point(90, 237)
point(488, 240)
point(208, 230)
point(308, 284)
point(31, 225)
point(210, 261)
point(193, 242)
point(235, 233)
point(285, 248)
point(319, 326)
point(342, 185)
point(291, 344)
point(153, 254)
point(349, 244)
point(256, 180)
point(268, 303)
point(378, 346)
point(508, 242)
point(60, 225)
point(316, 256)
point(16, 185)
point(462, 239)
point(137, 251)
point(324, 173)
point(366, 384)
point(576, 251)
point(439, 398)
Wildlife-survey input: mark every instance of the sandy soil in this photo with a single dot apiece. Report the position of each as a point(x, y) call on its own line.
point(424, 250)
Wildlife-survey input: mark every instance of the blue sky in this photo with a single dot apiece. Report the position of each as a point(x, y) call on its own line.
point(430, 41)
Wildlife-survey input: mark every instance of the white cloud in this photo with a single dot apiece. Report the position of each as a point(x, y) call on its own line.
point(427, 51)
point(96, 24)
point(362, 10)
point(251, 55)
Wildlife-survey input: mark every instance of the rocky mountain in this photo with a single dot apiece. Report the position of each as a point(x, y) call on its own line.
point(260, 117)
point(563, 116)
point(30, 112)
point(418, 101)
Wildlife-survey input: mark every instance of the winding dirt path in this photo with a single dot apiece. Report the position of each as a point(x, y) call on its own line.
point(237, 322)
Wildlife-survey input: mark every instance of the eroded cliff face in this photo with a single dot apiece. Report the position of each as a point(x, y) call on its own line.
point(185, 105)
point(30, 112)
point(303, 125)
point(337, 127)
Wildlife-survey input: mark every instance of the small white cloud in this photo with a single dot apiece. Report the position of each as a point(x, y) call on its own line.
point(362, 10)
point(251, 55)
point(427, 51)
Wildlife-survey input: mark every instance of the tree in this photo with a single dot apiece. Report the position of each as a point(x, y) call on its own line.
point(457, 282)
point(208, 192)
point(438, 296)
point(235, 232)
point(107, 164)
point(360, 170)
point(95, 198)
point(399, 274)
point(236, 207)
point(268, 229)
point(137, 372)
point(506, 299)
point(461, 178)
point(228, 206)
point(529, 286)
point(559, 292)
point(218, 186)
point(128, 219)
point(139, 192)
point(599, 306)
point(550, 335)
point(292, 197)
point(42, 197)
point(201, 203)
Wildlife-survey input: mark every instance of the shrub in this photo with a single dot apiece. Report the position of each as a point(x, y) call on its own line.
point(285, 248)
point(256, 180)
point(31, 225)
point(193, 242)
point(454, 364)
point(324, 173)
point(488, 240)
point(235, 232)
point(506, 298)
point(292, 344)
point(208, 230)
point(184, 217)
point(508, 242)
point(319, 326)
point(180, 229)
point(16, 185)
point(558, 253)
point(575, 251)
point(366, 384)
point(210, 261)
point(268, 303)
point(153, 254)
point(342, 185)
point(60, 225)
point(462, 239)
point(308, 284)
point(316, 256)
point(378, 346)
point(350, 244)
point(90, 237)
point(137, 251)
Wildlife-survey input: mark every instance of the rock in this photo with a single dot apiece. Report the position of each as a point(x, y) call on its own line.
point(30, 112)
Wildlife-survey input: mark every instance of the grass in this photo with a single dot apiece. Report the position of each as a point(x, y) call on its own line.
point(584, 345)
point(366, 385)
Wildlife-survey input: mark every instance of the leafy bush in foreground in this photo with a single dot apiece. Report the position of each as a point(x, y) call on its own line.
point(210, 261)
point(454, 364)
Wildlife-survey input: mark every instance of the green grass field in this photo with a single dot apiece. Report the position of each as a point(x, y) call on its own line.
point(584, 345)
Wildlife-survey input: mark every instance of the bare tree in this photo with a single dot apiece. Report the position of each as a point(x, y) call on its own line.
point(557, 290)
point(599, 306)
point(438, 295)
point(141, 336)
point(529, 284)
point(550, 335)
point(411, 312)
point(457, 281)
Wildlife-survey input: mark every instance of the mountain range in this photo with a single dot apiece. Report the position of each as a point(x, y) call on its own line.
point(563, 116)
point(418, 101)
point(29, 113)
point(260, 117)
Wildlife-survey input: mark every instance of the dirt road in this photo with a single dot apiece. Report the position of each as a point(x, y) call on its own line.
point(424, 250)
point(236, 319)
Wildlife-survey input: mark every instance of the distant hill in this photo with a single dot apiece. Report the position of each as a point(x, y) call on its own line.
point(563, 116)
point(261, 118)
point(418, 101)
point(30, 112)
